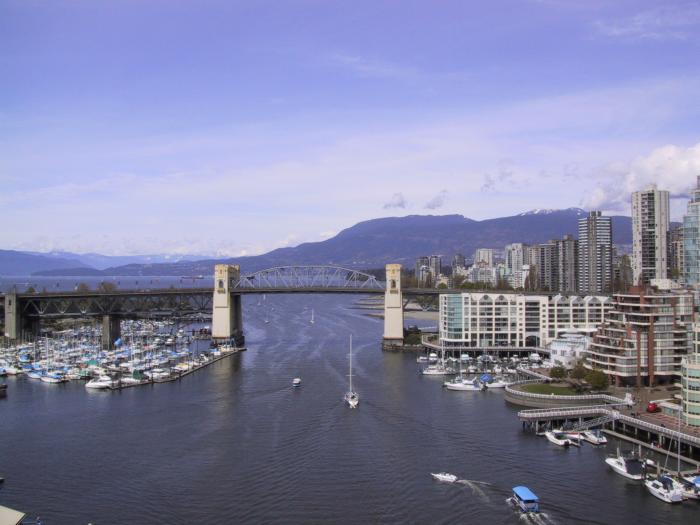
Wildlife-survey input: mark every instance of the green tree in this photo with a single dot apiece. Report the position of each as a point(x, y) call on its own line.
point(597, 379)
point(30, 289)
point(82, 287)
point(579, 371)
point(106, 287)
point(557, 372)
point(442, 286)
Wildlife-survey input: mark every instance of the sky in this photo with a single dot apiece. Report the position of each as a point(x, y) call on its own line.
point(232, 128)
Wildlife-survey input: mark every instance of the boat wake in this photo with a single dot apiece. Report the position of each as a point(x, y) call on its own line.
point(476, 489)
point(540, 518)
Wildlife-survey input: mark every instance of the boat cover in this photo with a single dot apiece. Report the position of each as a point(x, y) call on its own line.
point(525, 494)
point(486, 378)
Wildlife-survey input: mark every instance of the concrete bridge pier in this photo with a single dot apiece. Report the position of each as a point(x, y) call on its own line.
point(393, 307)
point(111, 331)
point(227, 315)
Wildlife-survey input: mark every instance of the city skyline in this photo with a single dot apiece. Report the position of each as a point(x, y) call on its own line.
point(234, 129)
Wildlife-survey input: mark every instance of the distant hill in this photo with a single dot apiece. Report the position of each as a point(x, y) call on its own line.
point(20, 263)
point(373, 243)
point(100, 262)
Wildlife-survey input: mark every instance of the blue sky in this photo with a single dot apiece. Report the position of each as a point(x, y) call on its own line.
point(224, 127)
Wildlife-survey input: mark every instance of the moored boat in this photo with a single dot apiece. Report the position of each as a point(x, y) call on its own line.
point(524, 499)
point(630, 466)
point(558, 438)
point(594, 437)
point(100, 383)
point(664, 489)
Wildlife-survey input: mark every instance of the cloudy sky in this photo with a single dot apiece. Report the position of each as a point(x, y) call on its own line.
point(232, 127)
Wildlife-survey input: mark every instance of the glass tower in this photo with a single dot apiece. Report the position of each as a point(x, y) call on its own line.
point(691, 239)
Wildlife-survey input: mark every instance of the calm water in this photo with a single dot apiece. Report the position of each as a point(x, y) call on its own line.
point(235, 443)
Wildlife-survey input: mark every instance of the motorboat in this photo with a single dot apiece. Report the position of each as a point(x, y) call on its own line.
point(465, 385)
point(432, 357)
point(594, 437)
point(575, 437)
point(296, 382)
point(665, 489)
point(630, 466)
point(525, 500)
point(157, 373)
point(690, 487)
point(54, 377)
point(100, 383)
point(422, 359)
point(438, 370)
point(558, 438)
point(444, 477)
point(498, 382)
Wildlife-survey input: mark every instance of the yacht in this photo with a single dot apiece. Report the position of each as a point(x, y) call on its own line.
point(459, 383)
point(630, 466)
point(99, 383)
point(54, 377)
point(352, 398)
point(690, 489)
point(444, 476)
point(524, 499)
point(296, 382)
point(594, 437)
point(664, 488)
point(438, 369)
point(558, 438)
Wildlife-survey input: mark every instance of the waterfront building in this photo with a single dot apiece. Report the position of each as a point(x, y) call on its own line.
point(518, 279)
point(645, 336)
point(514, 257)
point(691, 239)
point(478, 320)
point(482, 273)
point(595, 253)
point(483, 255)
point(690, 382)
point(547, 268)
point(568, 349)
point(650, 228)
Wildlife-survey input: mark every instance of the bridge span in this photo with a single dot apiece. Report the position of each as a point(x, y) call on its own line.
point(24, 311)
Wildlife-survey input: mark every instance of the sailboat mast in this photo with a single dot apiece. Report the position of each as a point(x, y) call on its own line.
point(350, 375)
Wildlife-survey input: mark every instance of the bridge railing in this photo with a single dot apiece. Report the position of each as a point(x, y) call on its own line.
point(300, 277)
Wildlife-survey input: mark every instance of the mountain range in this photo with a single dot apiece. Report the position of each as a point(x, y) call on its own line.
point(368, 244)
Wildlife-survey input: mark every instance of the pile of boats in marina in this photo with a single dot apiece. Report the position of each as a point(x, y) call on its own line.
point(142, 356)
point(472, 374)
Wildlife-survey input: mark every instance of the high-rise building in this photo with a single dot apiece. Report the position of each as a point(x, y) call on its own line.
point(567, 264)
point(650, 227)
point(595, 253)
point(691, 240)
point(677, 260)
point(644, 338)
point(514, 257)
point(483, 255)
point(421, 274)
point(458, 262)
point(435, 264)
point(548, 268)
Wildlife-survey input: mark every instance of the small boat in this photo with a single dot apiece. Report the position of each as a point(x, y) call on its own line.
point(465, 385)
point(524, 499)
point(498, 382)
point(558, 438)
point(312, 316)
point(352, 398)
point(690, 489)
point(100, 383)
point(432, 357)
point(296, 381)
point(594, 437)
point(630, 466)
point(664, 488)
point(54, 377)
point(444, 477)
point(438, 370)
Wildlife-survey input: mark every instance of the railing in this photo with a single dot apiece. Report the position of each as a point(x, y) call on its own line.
point(588, 397)
point(604, 410)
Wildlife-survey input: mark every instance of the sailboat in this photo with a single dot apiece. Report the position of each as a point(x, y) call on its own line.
point(351, 397)
point(267, 317)
point(312, 316)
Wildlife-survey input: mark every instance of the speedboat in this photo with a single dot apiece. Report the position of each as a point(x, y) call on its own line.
point(690, 488)
point(664, 488)
point(630, 467)
point(101, 382)
point(296, 381)
point(524, 499)
point(465, 385)
point(594, 437)
point(437, 370)
point(54, 377)
point(444, 476)
point(558, 438)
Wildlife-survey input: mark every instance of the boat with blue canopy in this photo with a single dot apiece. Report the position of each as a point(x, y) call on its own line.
point(525, 499)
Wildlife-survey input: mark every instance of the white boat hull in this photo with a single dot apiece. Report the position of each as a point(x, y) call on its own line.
point(618, 467)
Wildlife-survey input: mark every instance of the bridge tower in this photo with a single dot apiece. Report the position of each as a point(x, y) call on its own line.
point(227, 321)
point(13, 321)
point(393, 307)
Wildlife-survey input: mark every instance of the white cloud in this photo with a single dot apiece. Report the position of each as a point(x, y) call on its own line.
point(438, 201)
point(665, 22)
point(670, 167)
point(397, 201)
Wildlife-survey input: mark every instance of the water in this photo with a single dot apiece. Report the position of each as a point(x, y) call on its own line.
point(236, 443)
